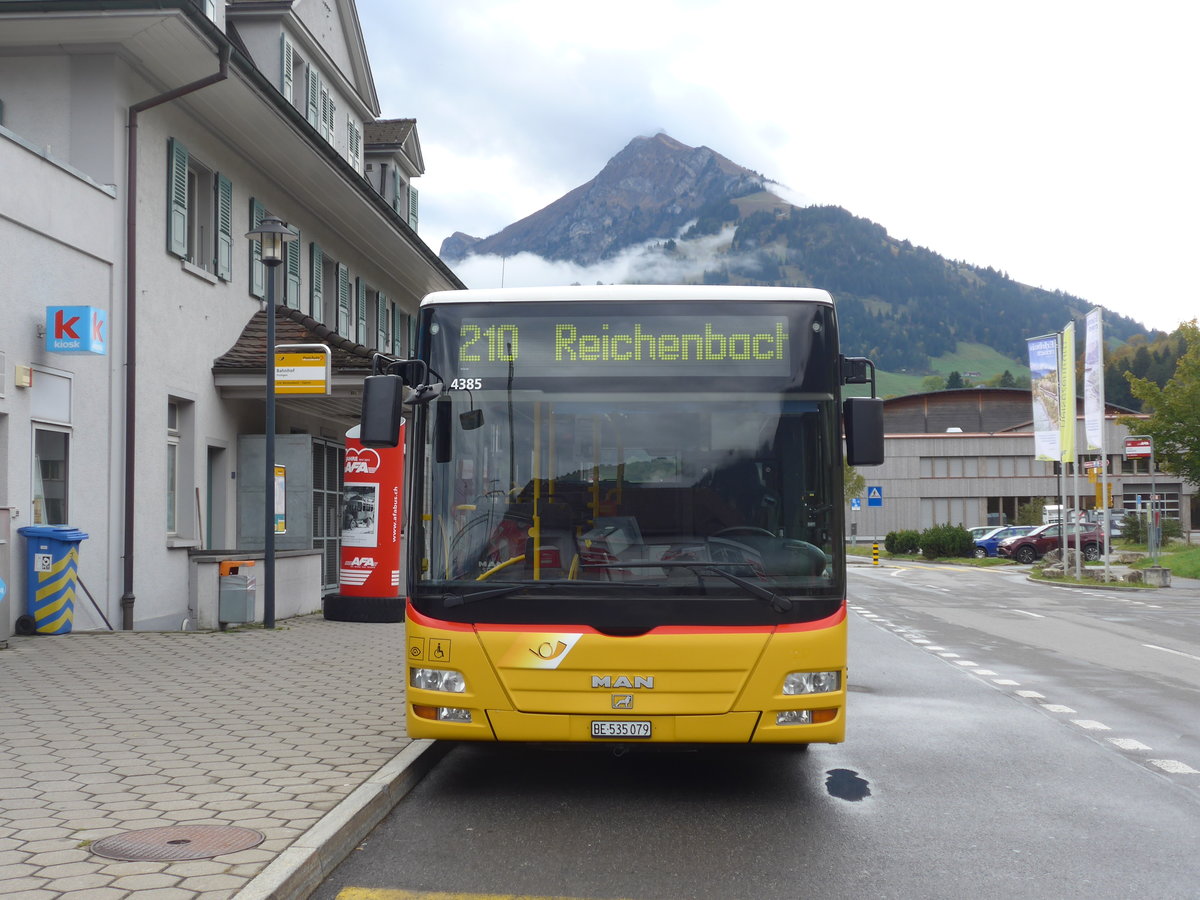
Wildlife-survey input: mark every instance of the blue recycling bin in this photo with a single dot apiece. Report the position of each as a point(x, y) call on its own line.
point(52, 578)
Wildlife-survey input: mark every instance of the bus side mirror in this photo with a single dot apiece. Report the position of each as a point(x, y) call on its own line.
point(862, 418)
point(382, 415)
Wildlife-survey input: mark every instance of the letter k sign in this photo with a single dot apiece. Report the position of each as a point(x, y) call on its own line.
point(64, 327)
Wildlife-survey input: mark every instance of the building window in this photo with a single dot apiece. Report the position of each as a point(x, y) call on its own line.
point(172, 468)
point(51, 458)
point(200, 214)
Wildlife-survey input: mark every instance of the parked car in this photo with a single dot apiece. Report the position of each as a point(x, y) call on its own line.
point(979, 531)
point(987, 544)
point(1026, 548)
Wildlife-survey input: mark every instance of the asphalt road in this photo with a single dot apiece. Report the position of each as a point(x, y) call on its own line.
point(1006, 740)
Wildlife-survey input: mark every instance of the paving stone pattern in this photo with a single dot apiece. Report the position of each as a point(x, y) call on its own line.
point(104, 733)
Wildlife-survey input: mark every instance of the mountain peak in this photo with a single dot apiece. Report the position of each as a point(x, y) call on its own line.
point(650, 190)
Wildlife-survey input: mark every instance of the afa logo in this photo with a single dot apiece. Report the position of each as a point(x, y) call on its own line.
point(364, 461)
point(362, 562)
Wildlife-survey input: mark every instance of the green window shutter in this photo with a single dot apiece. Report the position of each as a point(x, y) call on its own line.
point(258, 275)
point(312, 94)
point(396, 329)
point(285, 67)
point(291, 296)
point(177, 199)
point(412, 207)
point(354, 144)
point(343, 287)
point(316, 275)
point(382, 321)
point(360, 299)
point(328, 114)
point(224, 227)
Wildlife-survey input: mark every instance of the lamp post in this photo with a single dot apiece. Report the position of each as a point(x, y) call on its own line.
point(273, 236)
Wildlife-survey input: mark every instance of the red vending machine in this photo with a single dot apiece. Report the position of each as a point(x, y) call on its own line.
point(372, 515)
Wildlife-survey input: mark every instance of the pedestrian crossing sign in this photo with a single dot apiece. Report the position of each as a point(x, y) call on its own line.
point(874, 495)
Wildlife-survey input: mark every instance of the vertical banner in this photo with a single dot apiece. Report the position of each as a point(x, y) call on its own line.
point(371, 518)
point(1066, 396)
point(1043, 377)
point(1093, 381)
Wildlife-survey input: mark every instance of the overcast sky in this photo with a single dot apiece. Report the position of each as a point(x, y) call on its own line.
point(1054, 141)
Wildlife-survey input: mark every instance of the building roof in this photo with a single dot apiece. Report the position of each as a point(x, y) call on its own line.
point(971, 410)
point(388, 131)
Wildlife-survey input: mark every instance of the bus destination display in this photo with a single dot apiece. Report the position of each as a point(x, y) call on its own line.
point(595, 346)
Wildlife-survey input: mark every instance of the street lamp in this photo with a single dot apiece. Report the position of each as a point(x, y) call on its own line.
point(273, 235)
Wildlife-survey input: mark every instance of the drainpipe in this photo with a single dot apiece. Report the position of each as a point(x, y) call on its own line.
point(127, 598)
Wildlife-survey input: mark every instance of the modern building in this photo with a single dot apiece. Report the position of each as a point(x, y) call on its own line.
point(140, 140)
point(966, 457)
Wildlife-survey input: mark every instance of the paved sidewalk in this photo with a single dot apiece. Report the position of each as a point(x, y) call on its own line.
point(297, 733)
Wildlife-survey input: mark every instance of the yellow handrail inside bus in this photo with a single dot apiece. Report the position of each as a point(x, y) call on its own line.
point(504, 565)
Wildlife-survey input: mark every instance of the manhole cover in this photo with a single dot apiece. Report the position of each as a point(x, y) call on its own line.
point(173, 842)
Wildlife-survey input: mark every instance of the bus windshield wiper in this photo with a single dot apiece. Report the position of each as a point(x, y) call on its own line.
point(452, 600)
point(778, 602)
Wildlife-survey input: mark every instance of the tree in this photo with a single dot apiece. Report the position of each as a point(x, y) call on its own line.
point(1007, 380)
point(1174, 409)
point(853, 482)
point(954, 380)
point(933, 383)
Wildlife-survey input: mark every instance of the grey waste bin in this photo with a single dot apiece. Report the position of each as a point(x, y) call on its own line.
point(235, 599)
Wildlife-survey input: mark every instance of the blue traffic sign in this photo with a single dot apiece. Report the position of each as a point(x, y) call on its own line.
point(855, 503)
point(874, 495)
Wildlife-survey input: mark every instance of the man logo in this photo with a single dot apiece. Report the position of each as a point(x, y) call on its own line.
point(623, 681)
point(622, 701)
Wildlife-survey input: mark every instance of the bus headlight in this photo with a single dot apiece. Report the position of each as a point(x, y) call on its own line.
point(812, 682)
point(447, 680)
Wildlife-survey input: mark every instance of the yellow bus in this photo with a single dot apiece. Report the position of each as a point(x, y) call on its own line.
point(624, 513)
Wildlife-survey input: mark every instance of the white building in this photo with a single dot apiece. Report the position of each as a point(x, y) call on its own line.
point(139, 142)
point(966, 457)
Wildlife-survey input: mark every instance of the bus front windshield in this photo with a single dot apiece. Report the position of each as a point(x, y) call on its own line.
point(574, 502)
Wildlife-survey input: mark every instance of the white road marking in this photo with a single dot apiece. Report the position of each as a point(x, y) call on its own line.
point(1057, 707)
point(1007, 682)
point(984, 672)
point(966, 663)
point(1026, 612)
point(948, 655)
point(1091, 724)
point(1174, 766)
point(1169, 650)
point(1128, 744)
point(920, 641)
point(1031, 695)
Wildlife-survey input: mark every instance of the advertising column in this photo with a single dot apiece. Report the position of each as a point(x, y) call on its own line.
point(372, 508)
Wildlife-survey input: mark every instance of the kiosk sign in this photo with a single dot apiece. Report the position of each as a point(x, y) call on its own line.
point(76, 329)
